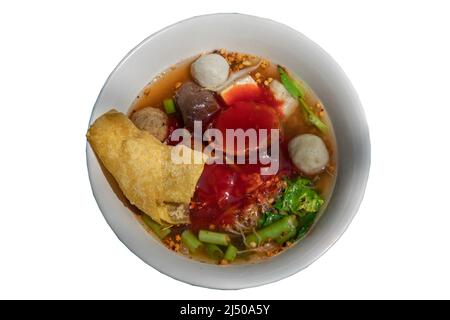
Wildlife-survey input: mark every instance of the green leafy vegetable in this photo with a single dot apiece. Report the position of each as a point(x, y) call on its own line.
point(305, 224)
point(268, 218)
point(294, 214)
point(299, 198)
point(298, 92)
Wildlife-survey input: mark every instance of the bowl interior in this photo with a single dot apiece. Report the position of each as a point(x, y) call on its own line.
point(280, 44)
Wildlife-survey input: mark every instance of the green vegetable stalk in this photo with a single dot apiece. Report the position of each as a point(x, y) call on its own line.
point(169, 106)
point(287, 236)
point(231, 253)
point(273, 231)
point(159, 230)
point(292, 86)
point(221, 239)
point(190, 241)
point(213, 251)
point(312, 117)
point(298, 92)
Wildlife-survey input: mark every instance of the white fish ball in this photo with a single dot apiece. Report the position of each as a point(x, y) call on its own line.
point(309, 153)
point(210, 70)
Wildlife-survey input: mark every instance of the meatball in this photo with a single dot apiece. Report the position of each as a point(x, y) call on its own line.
point(153, 120)
point(210, 70)
point(195, 104)
point(309, 153)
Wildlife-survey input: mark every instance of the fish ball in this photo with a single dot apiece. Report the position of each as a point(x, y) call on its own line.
point(309, 153)
point(210, 70)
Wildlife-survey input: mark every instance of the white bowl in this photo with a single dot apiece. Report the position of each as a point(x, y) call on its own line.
point(280, 44)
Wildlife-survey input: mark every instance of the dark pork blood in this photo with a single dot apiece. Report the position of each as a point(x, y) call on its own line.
point(224, 190)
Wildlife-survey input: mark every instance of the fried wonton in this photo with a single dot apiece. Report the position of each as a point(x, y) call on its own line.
point(181, 189)
point(143, 168)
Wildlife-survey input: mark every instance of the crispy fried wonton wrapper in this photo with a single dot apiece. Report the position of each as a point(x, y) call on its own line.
point(143, 168)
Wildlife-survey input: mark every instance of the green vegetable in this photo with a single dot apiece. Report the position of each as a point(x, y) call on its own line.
point(190, 240)
point(213, 251)
point(169, 106)
point(305, 224)
point(292, 86)
point(312, 117)
point(231, 253)
point(299, 198)
point(268, 218)
point(159, 230)
point(273, 231)
point(298, 92)
point(287, 236)
point(214, 237)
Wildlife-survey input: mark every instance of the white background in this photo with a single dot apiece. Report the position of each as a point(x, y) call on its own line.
point(54, 59)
